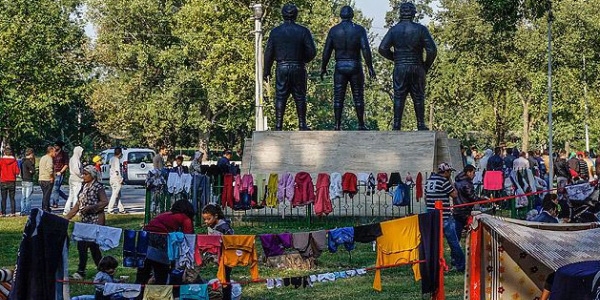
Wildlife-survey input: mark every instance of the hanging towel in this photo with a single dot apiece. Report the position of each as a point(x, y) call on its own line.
point(194, 292)
point(493, 180)
point(108, 237)
point(335, 186)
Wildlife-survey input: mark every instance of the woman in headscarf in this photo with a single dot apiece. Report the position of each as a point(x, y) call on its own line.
point(90, 204)
point(483, 161)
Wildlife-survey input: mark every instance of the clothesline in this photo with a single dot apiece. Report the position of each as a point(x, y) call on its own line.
point(493, 200)
point(260, 280)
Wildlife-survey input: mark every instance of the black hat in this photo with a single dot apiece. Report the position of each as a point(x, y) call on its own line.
point(59, 143)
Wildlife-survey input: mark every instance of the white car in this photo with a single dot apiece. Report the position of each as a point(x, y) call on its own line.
point(135, 162)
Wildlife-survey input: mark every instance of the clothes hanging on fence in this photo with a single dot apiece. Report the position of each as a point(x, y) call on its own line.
point(179, 183)
point(335, 186)
point(401, 195)
point(127, 290)
point(174, 241)
point(275, 244)
point(392, 250)
point(227, 191)
point(247, 189)
point(310, 244)
point(135, 247)
point(201, 192)
point(304, 192)
point(238, 250)
point(106, 237)
point(341, 236)
point(158, 292)
point(349, 184)
point(419, 186)
point(237, 186)
point(367, 233)
point(285, 188)
point(272, 192)
point(362, 178)
point(42, 259)
point(382, 179)
point(260, 183)
point(293, 261)
point(155, 181)
point(187, 251)
point(194, 292)
point(493, 180)
point(371, 184)
point(395, 179)
point(429, 227)
point(208, 247)
point(323, 204)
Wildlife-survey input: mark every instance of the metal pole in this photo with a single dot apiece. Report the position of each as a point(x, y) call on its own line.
point(258, 81)
point(551, 160)
point(587, 111)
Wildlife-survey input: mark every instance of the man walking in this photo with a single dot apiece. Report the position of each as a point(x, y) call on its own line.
point(61, 164)
point(348, 39)
point(9, 169)
point(439, 188)
point(46, 178)
point(116, 182)
point(75, 179)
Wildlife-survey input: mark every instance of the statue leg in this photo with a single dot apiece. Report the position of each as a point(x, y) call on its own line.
point(340, 83)
point(282, 93)
point(400, 93)
point(417, 93)
point(357, 84)
point(299, 93)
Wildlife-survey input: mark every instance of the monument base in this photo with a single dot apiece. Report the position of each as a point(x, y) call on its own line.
point(349, 151)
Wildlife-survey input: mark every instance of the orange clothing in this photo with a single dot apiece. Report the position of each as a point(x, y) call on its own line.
point(238, 250)
point(399, 243)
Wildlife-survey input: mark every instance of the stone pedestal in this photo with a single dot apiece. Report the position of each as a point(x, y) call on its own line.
point(348, 151)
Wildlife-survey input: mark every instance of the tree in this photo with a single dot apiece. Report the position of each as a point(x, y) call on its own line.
point(43, 72)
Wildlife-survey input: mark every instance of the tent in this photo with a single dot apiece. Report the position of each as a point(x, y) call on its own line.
point(511, 259)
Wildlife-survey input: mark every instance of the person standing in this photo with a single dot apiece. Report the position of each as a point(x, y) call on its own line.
point(90, 205)
point(292, 46)
point(27, 173)
point(116, 182)
point(75, 178)
point(439, 188)
point(159, 160)
point(61, 164)
point(9, 169)
point(463, 183)
point(224, 163)
point(46, 177)
point(410, 41)
point(348, 39)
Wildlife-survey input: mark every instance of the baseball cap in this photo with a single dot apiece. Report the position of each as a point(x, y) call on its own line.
point(96, 158)
point(443, 167)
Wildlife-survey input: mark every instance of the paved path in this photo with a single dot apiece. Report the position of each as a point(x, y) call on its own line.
point(132, 196)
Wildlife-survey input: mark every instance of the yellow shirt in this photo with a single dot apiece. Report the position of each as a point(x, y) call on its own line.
point(238, 250)
point(272, 190)
point(399, 243)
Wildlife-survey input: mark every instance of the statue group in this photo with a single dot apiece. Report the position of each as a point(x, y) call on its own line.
point(408, 44)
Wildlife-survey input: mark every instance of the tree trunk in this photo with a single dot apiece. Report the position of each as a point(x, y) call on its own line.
point(525, 138)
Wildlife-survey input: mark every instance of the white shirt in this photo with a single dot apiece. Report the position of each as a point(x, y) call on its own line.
point(520, 163)
point(115, 168)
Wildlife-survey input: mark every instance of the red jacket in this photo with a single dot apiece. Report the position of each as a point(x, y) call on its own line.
point(9, 169)
point(349, 184)
point(304, 191)
point(170, 222)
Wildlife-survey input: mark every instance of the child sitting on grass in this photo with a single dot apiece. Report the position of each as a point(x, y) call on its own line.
point(106, 272)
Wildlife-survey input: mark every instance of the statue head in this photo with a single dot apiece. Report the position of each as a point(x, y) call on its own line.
point(407, 11)
point(346, 13)
point(289, 12)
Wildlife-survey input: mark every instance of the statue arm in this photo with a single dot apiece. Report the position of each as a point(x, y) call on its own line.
point(268, 59)
point(366, 52)
point(327, 51)
point(430, 50)
point(386, 46)
point(310, 50)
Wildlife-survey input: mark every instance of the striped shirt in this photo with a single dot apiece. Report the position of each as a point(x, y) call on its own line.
point(438, 187)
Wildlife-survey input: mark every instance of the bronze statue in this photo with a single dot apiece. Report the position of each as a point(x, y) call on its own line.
point(348, 40)
point(409, 39)
point(292, 46)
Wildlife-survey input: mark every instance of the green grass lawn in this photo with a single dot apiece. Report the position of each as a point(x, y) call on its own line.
point(398, 283)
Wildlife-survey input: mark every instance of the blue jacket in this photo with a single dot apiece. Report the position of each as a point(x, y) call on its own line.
point(545, 217)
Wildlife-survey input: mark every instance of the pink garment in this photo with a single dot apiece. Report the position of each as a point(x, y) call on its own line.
point(493, 180)
point(285, 188)
point(305, 190)
point(323, 202)
point(248, 184)
point(237, 187)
